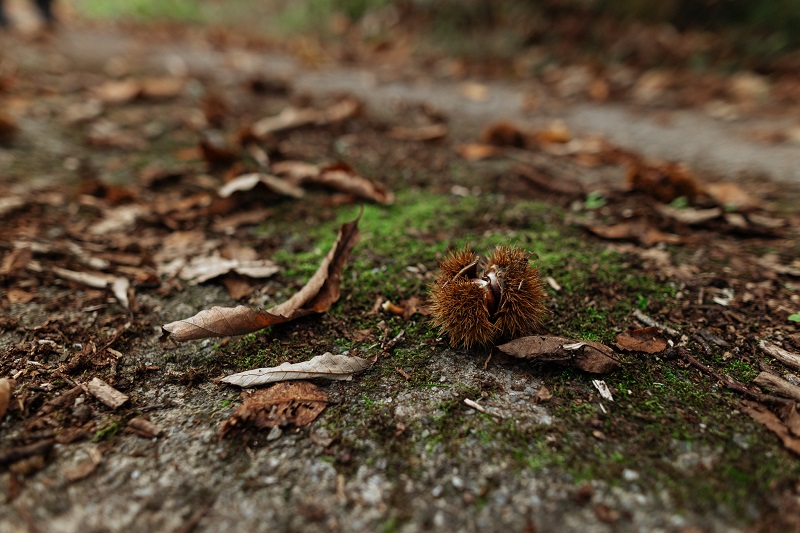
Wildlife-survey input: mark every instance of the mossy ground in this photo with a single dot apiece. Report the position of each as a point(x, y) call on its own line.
point(674, 427)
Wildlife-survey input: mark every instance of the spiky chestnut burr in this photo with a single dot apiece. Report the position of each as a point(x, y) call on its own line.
point(507, 300)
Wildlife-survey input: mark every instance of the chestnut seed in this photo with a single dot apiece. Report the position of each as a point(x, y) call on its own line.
point(507, 300)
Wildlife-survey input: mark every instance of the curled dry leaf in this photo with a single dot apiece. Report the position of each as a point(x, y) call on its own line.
point(647, 340)
point(318, 294)
point(690, 215)
point(144, 428)
point(202, 269)
point(634, 231)
point(246, 182)
point(297, 403)
point(340, 177)
point(325, 366)
point(585, 355)
point(293, 117)
point(127, 90)
point(119, 286)
point(343, 178)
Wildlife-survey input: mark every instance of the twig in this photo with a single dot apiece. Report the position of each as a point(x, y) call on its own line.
point(481, 409)
point(63, 399)
point(387, 346)
point(648, 321)
point(475, 405)
point(729, 383)
point(21, 452)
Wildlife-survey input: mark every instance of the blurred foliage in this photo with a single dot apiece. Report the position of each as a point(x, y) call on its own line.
point(748, 33)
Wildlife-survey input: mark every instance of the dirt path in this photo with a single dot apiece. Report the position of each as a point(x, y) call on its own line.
point(397, 449)
point(725, 147)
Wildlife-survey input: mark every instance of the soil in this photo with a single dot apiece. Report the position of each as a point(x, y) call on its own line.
point(109, 173)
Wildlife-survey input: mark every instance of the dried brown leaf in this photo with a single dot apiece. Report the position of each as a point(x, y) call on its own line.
point(791, 418)
point(664, 181)
point(690, 216)
point(295, 170)
point(119, 91)
point(585, 355)
point(87, 467)
point(730, 194)
point(318, 294)
point(419, 134)
point(6, 390)
point(343, 178)
point(247, 182)
point(293, 117)
point(478, 151)
point(634, 231)
point(647, 340)
point(542, 395)
point(765, 417)
point(295, 403)
point(201, 269)
point(119, 286)
point(326, 366)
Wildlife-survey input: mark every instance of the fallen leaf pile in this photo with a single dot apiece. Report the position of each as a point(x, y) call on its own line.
point(651, 202)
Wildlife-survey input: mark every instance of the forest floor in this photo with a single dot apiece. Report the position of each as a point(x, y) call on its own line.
point(123, 208)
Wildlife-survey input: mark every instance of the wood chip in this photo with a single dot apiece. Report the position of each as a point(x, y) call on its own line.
point(105, 393)
point(603, 389)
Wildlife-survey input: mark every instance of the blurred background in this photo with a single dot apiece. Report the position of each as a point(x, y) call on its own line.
point(701, 34)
